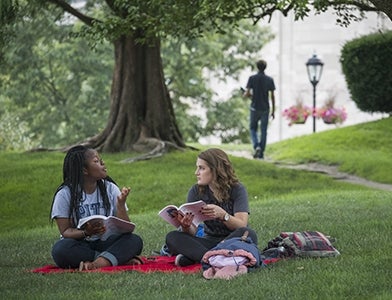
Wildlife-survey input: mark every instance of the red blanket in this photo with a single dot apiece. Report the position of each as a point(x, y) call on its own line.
point(150, 264)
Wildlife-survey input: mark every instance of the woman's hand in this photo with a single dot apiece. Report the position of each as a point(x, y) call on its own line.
point(67, 230)
point(122, 198)
point(213, 211)
point(186, 222)
point(121, 211)
point(239, 219)
point(94, 227)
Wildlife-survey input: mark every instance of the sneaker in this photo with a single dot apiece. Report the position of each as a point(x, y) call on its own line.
point(165, 251)
point(257, 153)
point(183, 261)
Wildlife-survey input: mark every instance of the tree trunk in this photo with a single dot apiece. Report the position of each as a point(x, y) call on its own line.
point(141, 113)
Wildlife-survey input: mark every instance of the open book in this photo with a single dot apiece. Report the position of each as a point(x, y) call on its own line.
point(113, 225)
point(169, 213)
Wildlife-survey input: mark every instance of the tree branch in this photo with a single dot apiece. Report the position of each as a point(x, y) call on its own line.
point(384, 6)
point(69, 9)
point(359, 4)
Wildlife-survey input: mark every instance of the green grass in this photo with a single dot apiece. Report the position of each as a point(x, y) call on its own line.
point(363, 150)
point(280, 200)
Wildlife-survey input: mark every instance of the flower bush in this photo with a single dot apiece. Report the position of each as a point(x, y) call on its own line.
point(297, 114)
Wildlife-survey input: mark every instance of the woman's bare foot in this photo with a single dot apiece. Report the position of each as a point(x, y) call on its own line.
point(85, 266)
point(100, 262)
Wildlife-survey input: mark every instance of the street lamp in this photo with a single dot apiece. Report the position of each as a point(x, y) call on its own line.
point(315, 67)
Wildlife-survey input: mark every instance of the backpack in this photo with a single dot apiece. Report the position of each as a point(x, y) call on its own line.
point(302, 244)
point(230, 258)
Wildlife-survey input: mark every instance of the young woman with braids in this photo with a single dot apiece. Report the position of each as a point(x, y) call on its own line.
point(88, 190)
point(226, 202)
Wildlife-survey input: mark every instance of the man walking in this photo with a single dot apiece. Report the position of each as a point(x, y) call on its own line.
point(260, 88)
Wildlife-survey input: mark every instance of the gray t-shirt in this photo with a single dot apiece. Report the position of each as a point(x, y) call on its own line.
point(238, 202)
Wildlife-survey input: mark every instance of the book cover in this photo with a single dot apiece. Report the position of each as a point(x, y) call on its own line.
point(169, 212)
point(112, 224)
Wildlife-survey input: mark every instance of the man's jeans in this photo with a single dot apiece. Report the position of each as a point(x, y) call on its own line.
point(257, 116)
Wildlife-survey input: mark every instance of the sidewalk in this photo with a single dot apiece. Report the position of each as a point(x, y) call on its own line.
point(331, 171)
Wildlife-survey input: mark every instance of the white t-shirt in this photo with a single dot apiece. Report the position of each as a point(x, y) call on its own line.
point(92, 204)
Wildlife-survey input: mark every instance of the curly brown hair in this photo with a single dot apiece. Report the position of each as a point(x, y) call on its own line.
point(223, 174)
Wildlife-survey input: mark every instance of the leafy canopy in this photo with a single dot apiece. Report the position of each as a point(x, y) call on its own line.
point(146, 19)
point(49, 82)
point(161, 18)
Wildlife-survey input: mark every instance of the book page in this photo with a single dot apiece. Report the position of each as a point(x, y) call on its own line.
point(116, 225)
point(112, 224)
point(195, 209)
point(83, 221)
point(169, 213)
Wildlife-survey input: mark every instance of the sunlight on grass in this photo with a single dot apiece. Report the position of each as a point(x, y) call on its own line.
point(363, 150)
point(280, 200)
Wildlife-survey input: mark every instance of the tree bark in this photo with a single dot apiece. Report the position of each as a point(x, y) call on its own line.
point(141, 113)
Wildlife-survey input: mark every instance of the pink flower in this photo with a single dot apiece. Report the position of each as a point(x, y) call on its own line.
point(297, 113)
point(331, 115)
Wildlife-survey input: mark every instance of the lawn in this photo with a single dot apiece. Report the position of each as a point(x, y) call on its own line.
point(280, 200)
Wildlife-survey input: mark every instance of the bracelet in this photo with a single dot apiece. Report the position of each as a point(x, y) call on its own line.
point(84, 233)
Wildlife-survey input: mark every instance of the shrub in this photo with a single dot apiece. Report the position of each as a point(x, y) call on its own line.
point(366, 64)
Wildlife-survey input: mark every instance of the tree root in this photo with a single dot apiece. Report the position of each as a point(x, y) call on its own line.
point(159, 149)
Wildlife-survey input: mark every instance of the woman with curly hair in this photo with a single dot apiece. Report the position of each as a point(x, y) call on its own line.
point(226, 204)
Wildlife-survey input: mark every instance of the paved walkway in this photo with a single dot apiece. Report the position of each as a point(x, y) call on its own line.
point(324, 169)
point(336, 174)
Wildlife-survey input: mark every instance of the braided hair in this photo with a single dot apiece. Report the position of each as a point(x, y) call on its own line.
point(74, 163)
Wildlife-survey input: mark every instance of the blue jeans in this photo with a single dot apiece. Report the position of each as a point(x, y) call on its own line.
point(257, 116)
point(68, 253)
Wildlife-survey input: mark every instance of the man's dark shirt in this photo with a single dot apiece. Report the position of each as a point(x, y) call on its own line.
point(260, 84)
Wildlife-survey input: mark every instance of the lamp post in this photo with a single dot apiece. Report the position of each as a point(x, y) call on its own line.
point(315, 67)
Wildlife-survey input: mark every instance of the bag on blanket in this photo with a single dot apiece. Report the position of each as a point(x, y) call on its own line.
point(303, 244)
point(230, 258)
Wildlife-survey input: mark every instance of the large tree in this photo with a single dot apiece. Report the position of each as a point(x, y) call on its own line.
point(64, 83)
point(141, 112)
